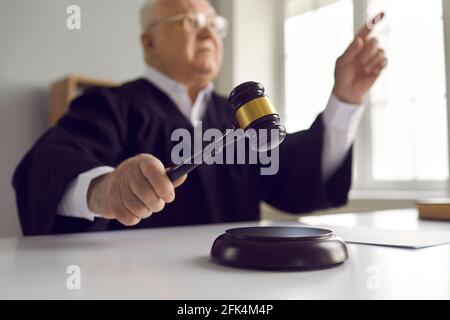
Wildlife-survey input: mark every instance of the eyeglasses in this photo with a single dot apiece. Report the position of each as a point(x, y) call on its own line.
point(196, 21)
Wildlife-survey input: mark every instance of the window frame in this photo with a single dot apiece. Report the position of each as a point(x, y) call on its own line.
point(364, 186)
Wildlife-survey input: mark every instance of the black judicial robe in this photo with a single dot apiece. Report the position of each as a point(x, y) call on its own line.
point(106, 126)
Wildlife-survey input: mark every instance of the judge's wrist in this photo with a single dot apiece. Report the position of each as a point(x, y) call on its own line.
point(96, 191)
point(345, 97)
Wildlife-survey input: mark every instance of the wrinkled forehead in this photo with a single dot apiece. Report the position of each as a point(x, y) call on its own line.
point(165, 8)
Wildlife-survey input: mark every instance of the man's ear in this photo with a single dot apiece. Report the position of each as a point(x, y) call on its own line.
point(147, 40)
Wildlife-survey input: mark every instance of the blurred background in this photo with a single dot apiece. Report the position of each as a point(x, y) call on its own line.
point(290, 46)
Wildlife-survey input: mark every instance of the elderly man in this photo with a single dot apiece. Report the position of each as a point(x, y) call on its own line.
point(103, 166)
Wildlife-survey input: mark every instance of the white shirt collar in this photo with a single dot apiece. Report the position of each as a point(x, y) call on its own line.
point(179, 94)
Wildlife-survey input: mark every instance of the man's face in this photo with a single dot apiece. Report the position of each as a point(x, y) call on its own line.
point(180, 49)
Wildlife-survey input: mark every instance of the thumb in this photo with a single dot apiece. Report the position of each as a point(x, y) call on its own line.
point(179, 181)
point(352, 51)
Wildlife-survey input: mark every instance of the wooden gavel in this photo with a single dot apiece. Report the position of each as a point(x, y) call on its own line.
point(252, 110)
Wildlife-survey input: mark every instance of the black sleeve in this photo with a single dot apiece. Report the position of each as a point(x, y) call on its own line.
point(92, 134)
point(299, 187)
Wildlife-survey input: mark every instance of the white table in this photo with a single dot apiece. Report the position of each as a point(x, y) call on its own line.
point(173, 263)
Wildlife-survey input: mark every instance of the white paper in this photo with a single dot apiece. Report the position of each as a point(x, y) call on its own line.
point(392, 238)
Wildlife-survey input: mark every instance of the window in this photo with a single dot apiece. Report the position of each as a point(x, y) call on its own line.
point(408, 105)
point(402, 143)
point(316, 33)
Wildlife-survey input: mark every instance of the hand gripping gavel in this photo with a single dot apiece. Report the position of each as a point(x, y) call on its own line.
point(253, 110)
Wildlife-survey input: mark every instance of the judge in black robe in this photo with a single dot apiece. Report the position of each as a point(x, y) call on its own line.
point(105, 127)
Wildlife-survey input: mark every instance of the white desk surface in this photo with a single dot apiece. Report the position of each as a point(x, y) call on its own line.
point(173, 263)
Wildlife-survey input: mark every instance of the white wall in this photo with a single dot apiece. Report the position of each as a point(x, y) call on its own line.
point(36, 49)
point(254, 47)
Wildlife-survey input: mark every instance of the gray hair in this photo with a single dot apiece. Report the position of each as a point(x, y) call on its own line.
point(146, 13)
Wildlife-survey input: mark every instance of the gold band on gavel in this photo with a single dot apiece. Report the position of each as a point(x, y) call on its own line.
point(254, 110)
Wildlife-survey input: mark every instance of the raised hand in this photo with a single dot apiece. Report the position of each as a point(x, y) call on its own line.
point(360, 65)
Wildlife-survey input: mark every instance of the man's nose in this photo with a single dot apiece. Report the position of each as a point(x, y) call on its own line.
point(206, 32)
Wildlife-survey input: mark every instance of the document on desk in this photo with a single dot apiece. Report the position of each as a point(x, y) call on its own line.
point(392, 238)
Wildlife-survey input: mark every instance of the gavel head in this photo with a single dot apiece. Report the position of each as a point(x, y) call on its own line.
point(253, 110)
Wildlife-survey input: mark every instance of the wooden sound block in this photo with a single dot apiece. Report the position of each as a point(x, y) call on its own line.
point(279, 248)
point(434, 209)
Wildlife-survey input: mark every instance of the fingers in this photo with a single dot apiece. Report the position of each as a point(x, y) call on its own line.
point(372, 58)
point(377, 70)
point(370, 50)
point(140, 186)
point(352, 51)
point(369, 26)
point(122, 213)
point(154, 171)
point(377, 63)
point(180, 181)
point(134, 203)
point(362, 47)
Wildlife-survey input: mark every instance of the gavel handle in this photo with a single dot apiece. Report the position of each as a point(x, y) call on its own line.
point(180, 170)
point(190, 164)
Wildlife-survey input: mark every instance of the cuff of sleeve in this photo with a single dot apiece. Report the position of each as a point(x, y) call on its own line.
point(341, 115)
point(74, 201)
